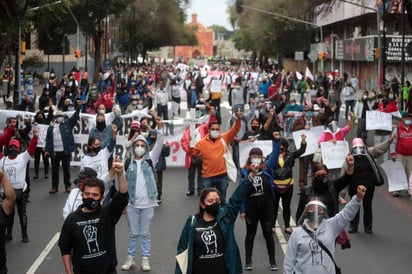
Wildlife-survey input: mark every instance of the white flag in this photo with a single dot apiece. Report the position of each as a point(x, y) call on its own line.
point(299, 75)
point(309, 74)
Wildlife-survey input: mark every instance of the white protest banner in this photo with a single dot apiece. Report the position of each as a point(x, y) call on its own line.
point(245, 147)
point(396, 175)
point(378, 120)
point(312, 138)
point(334, 155)
point(216, 86)
point(172, 132)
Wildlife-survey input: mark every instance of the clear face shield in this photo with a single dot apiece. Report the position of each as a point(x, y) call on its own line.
point(313, 215)
point(333, 126)
point(358, 151)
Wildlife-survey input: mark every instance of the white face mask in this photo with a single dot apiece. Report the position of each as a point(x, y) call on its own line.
point(257, 161)
point(140, 107)
point(364, 97)
point(134, 102)
point(139, 151)
point(59, 119)
point(214, 134)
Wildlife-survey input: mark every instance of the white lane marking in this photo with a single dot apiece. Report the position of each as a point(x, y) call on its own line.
point(43, 254)
point(279, 233)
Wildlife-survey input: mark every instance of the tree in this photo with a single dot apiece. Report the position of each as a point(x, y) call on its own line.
point(15, 15)
point(91, 15)
point(150, 24)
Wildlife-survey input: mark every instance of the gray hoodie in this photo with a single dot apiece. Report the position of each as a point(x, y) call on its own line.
point(305, 256)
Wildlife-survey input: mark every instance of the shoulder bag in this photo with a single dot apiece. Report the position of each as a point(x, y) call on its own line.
point(183, 257)
point(231, 169)
point(337, 268)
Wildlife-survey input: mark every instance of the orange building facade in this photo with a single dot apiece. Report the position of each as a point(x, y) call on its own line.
point(204, 46)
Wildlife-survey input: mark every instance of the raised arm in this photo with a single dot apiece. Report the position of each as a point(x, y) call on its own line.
point(121, 178)
point(9, 195)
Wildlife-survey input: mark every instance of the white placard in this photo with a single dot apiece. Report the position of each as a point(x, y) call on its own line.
point(216, 86)
point(245, 147)
point(396, 175)
point(192, 122)
point(312, 137)
point(378, 120)
point(334, 155)
point(42, 135)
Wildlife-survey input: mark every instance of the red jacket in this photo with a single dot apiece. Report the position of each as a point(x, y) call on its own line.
point(202, 130)
point(404, 140)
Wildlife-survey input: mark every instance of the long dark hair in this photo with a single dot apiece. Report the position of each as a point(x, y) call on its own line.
point(254, 151)
point(203, 196)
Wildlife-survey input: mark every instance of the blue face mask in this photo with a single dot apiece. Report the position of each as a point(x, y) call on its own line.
point(408, 122)
point(309, 114)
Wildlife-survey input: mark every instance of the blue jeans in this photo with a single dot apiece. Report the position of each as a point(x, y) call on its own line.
point(220, 182)
point(191, 177)
point(351, 104)
point(139, 221)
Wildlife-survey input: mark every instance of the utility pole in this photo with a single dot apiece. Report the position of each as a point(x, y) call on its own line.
point(77, 35)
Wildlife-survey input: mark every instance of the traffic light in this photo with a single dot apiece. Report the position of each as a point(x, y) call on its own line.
point(23, 47)
point(239, 6)
point(321, 55)
point(376, 53)
point(77, 53)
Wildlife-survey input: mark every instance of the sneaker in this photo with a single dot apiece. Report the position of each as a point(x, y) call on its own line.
point(145, 264)
point(273, 267)
point(395, 194)
point(248, 264)
point(25, 238)
point(53, 190)
point(129, 263)
point(36, 176)
point(190, 193)
point(9, 237)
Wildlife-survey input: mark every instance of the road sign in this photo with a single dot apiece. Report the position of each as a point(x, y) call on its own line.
point(299, 55)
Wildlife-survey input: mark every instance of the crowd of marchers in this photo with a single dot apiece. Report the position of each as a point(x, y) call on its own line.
point(265, 104)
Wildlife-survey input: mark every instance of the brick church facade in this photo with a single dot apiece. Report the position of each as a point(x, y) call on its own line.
point(204, 46)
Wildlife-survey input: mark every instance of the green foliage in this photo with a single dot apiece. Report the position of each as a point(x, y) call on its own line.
point(273, 36)
point(32, 62)
point(151, 24)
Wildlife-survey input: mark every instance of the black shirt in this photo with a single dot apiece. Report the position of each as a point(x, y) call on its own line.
point(208, 248)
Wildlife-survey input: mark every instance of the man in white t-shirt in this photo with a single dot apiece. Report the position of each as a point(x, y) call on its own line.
point(14, 167)
point(96, 157)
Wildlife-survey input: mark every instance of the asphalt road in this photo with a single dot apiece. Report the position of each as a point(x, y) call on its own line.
point(388, 250)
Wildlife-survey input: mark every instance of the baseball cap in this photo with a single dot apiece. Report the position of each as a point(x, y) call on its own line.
point(135, 125)
point(14, 142)
point(87, 172)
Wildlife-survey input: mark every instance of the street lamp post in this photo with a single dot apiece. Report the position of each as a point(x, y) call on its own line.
point(63, 44)
point(77, 35)
point(16, 94)
point(403, 56)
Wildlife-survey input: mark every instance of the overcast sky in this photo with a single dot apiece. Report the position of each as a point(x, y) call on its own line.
point(210, 12)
